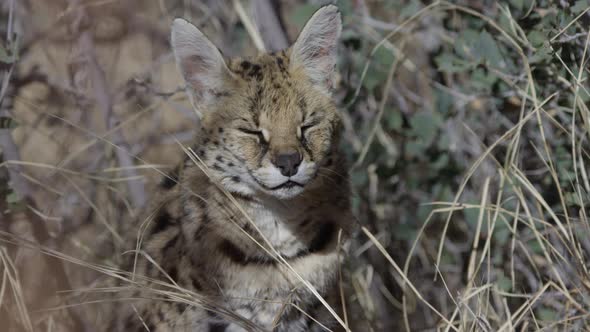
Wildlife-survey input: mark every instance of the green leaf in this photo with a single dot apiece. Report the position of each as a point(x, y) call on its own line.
point(483, 80)
point(12, 198)
point(415, 149)
point(535, 247)
point(302, 13)
point(465, 44)
point(377, 73)
point(411, 8)
point(384, 57)
point(444, 141)
point(518, 4)
point(451, 64)
point(580, 6)
point(394, 120)
point(444, 101)
point(346, 7)
point(441, 162)
point(13, 47)
point(4, 57)
point(425, 126)
point(405, 232)
point(504, 283)
point(548, 315)
point(541, 55)
point(471, 216)
point(536, 38)
point(487, 49)
point(7, 123)
point(359, 179)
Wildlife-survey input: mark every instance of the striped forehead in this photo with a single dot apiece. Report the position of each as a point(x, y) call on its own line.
point(263, 67)
point(273, 90)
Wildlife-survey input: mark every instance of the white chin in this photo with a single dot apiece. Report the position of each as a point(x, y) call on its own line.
point(286, 193)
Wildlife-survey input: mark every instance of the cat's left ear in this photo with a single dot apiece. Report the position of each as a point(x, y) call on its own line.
point(315, 48)
point(201, 64)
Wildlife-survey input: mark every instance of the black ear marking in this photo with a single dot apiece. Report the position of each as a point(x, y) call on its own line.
point(245, 65)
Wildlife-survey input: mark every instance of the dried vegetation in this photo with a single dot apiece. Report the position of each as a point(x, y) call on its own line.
point(467, 127)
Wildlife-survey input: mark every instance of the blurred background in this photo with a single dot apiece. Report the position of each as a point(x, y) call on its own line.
point(467, 131)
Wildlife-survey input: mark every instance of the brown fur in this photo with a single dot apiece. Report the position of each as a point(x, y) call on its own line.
point(217, 230)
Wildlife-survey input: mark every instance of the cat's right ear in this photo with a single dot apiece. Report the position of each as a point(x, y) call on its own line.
point(201, 64)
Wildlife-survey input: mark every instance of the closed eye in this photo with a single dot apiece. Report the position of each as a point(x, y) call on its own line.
point(306, 127)
point(257, 133)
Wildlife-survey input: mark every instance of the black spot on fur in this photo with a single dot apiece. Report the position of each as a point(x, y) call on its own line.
point(236, 179)
point(305, 222)
point(241, 196)
point(306, 147)
point(232, 252)
point(172, 272)
point(219, 94)
point(313, 307)
point(245, 65)
point(171, 243)
point(216, 324)
point(171, 180)
point(255, 72)
point(130, 324)
point(162, 222)
point(220, 130)
point(205, 218)
point(281, 64)
point(180, 307)
point(255, 105)
point(230, 164)
point(236, 255)
point(323, 237)
point(217, 327)
point(219, 158)
point(302, 103)
point(199, 232)
point(196, 284)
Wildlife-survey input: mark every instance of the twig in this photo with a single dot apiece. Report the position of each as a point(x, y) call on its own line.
point(268, 24)
point(250, 27)
point(386, 91)
point(105, 102)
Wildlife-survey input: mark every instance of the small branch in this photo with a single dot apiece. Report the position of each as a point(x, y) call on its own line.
point(250, 27)
point(105, 103)
point(268, 24)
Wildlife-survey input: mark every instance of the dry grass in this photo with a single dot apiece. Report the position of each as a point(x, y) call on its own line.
point(102, 116)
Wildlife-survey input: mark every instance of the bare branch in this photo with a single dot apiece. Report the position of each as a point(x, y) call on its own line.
point(268, 23)
point(104, 100)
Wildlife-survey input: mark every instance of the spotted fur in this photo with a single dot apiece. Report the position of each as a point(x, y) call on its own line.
point(217, 231)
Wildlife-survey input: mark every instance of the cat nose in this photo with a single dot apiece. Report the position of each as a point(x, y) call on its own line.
point(288, 162)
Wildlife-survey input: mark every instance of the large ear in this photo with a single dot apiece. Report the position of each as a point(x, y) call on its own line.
point(315, 48)
point(201, 64)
